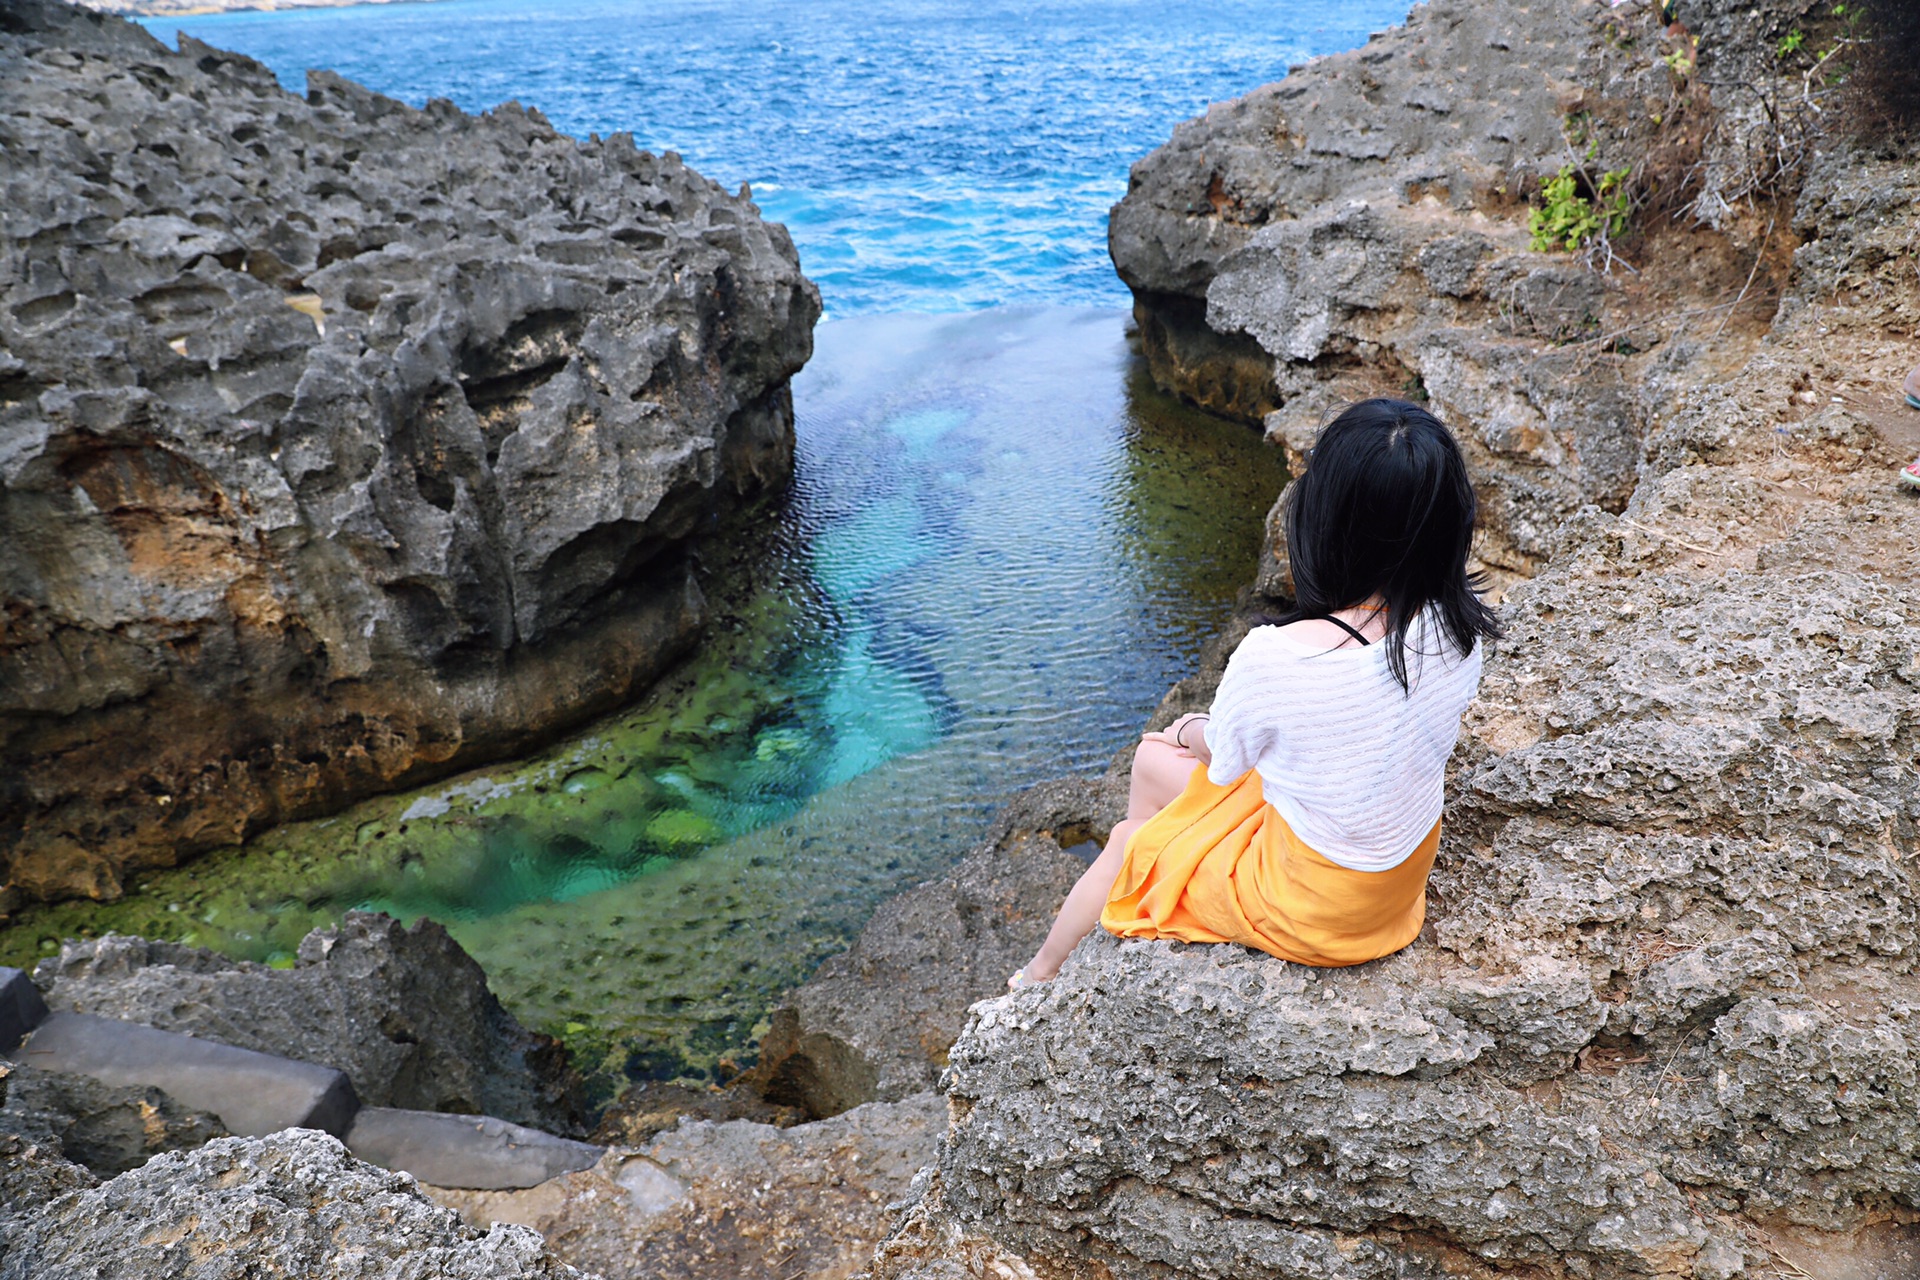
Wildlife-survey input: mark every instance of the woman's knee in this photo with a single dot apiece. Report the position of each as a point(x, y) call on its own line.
point(1160, 769)
point(1116, 847)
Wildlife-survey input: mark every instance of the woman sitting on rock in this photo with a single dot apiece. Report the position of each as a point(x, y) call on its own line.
point(1311, 828)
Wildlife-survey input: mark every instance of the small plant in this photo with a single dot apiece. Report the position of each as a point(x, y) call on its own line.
point(1567, 220)
point(1679, 63)
point(1790, 43)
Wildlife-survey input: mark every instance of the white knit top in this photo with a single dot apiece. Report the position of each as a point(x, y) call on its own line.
point(1352, 761)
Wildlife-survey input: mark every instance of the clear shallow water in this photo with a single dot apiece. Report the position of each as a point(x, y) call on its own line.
point(926, 156)
point(1001, 547)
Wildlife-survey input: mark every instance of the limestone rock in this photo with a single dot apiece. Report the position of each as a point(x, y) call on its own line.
point(108, 1130)
point(341, 444)
point(1359, 228)
point(649, 1108)
point(733, 1200)
point(33, 1173)
point(293, 1204)
point(404, 1011)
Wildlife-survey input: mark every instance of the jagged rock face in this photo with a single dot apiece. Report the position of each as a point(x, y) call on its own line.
point(1359, 228)
point(1665, 1017)
point(340, 443)
point(107, 1129)
point(292, 1204)
point(404, 1012)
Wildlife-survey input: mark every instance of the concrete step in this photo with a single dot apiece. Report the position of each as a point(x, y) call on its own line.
point(478, 1153)
point(252, 1093)
point(21, 1008)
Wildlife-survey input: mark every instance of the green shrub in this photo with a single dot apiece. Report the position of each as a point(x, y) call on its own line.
point(1566, 219)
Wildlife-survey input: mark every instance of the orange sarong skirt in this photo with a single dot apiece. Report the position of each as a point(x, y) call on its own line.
point(1220, 864)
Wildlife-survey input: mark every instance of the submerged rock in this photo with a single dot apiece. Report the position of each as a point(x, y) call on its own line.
point(403, 1011)
point(293, 1204)
point(341, 444)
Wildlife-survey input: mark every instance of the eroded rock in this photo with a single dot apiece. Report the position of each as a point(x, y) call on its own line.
point(341, 444)
point(1359, 228)
point(108, 1130)
point(404, 1011)
point(293, 1204)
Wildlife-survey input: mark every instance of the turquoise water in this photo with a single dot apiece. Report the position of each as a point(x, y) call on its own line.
point(926, 156)
point(1001, 545)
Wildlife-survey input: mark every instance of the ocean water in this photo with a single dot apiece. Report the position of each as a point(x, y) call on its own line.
point(927, 156)
point(1001, 545)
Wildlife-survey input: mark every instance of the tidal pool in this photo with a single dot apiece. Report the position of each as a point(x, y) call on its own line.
point(1001, 546)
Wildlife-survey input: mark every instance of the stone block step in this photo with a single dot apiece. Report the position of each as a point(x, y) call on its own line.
point(252, 1093)
point(21, 1008)
point(476, 1153)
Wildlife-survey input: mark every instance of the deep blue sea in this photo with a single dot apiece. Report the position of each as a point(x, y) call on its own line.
point(1000, 547)
point(927, 156)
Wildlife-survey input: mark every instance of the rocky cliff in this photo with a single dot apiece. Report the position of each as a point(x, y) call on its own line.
point(340, 443)
point(1664, 1019)
point(1359, 228)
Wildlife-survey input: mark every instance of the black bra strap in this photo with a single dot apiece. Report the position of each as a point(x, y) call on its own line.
point(1352, 631)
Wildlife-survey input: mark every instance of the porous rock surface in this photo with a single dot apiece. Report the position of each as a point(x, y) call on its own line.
point(341, 443)
point(734, 1200)
point(1358, 228)
point(404, 1011)
point(1664, 1019)
point(107, 1129)
point(292, 1204)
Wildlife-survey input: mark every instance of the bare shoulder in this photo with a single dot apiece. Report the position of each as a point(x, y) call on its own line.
point(1312, 635)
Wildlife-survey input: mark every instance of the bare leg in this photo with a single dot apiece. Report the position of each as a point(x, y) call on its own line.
point(1081, 911)
point(1159, 774)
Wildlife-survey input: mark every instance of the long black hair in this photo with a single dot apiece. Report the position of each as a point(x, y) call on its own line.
point(1385, 509)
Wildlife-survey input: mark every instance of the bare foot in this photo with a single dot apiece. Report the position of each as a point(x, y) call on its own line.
point(1034, 972)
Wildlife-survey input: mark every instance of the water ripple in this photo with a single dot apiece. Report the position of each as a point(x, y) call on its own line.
point(926, 156)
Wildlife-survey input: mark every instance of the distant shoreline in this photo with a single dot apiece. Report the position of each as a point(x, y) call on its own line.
point(204, 8)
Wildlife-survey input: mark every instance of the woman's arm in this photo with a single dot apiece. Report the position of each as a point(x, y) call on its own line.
point(1187, 735)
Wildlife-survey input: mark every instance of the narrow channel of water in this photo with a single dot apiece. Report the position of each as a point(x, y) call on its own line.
point(1001, 546)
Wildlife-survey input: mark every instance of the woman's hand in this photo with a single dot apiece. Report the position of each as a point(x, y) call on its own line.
point(1185, 736)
